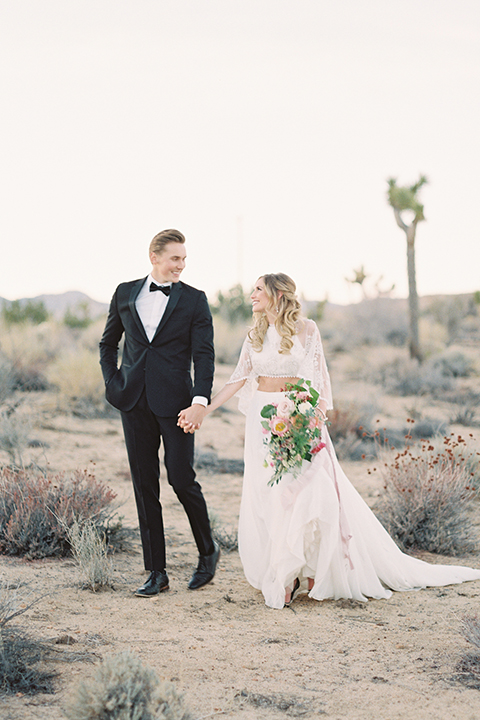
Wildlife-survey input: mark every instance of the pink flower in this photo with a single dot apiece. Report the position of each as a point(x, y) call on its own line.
point(279, 426)
point(303, 396)
point(317, 449)
point(285, 407)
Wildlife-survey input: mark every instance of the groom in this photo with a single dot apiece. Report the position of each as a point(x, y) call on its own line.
point(167, 325)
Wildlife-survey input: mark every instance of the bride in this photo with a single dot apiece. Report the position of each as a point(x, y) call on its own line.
point(311, 533)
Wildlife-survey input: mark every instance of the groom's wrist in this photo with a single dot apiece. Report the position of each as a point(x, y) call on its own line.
point(200, 400)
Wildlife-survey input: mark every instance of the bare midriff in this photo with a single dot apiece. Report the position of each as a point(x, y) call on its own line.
point(275, 384)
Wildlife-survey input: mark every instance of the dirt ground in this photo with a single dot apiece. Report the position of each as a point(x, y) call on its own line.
point(229, 654)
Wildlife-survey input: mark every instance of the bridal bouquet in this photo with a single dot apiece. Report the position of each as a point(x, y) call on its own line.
point(293, 430)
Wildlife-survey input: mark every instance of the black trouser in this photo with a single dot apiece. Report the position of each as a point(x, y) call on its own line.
point(143, 431)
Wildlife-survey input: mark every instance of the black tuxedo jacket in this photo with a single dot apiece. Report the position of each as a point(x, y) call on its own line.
point(185, 333)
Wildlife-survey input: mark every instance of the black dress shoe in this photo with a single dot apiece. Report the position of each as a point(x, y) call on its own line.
point(156, 583)
point(205, 570)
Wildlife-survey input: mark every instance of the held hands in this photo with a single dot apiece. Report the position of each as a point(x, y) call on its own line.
point(191, 418)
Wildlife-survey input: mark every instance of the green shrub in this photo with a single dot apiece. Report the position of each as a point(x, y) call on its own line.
point(79, 318)
point(31, 311)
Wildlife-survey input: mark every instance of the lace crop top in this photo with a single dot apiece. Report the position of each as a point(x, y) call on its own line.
point(305, 360)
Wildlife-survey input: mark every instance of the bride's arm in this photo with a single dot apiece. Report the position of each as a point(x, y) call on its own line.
point(221, 397)
point(225, 394)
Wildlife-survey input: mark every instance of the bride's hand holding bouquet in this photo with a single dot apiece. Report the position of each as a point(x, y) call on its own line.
point(293, 430)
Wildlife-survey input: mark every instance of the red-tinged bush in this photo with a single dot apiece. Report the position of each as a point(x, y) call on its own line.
point(428, 495)
point(37, 510)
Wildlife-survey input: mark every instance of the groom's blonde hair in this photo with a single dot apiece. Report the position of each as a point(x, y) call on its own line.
point(158, 243)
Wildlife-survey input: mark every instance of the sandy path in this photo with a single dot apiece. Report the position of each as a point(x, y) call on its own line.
point(231, 655)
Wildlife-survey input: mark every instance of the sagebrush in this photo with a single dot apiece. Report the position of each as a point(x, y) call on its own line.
point(36, 510)
point(122, 688)
point(469, 664)
point(428, 494)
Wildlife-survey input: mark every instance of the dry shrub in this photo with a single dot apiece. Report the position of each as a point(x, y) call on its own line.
point(21, 664)
point(227, 539)
point(21, 657)
point(428, 495)
point(374, 322)
point(407, 377)
point(79, 382)
point(122, 688)
point(349, 429)
point(469, 664)
point(89, 548)
point(15, 430)
point(7, 379)
point(30, 349)
point(36, 509)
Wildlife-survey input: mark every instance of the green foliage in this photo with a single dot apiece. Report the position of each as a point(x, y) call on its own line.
point(233, 306)
point(405, 198)
point(31, 311)
point(79, 318)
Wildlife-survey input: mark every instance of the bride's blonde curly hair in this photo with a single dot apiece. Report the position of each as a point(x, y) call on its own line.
point(286, 308)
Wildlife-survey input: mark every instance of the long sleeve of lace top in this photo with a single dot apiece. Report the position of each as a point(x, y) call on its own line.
point(314, 365)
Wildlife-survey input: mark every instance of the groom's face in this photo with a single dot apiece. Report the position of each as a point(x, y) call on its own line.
point(168, 265)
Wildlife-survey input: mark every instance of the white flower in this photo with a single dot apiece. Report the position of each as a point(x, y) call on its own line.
point(285, 407)
point(304, 407)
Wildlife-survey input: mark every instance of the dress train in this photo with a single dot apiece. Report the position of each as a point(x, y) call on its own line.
point(299, 528)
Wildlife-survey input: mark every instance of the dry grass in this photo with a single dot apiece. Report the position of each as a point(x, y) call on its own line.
point(90, 552)
point(77, 377)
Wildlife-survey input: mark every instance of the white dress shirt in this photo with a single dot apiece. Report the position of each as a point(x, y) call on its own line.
point(150, 307)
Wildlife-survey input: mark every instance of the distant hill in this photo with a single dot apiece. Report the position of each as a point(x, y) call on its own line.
point(58, 305)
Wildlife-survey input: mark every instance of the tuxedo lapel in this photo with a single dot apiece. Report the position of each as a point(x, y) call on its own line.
point(173, 298)
point(133, 308)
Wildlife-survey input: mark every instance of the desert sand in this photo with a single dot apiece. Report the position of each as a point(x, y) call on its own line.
point(224, 649)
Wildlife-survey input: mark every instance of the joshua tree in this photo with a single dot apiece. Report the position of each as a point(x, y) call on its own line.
point(405, 199)
point(359, 278)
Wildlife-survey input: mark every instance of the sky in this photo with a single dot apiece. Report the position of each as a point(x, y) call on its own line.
point(264, 130)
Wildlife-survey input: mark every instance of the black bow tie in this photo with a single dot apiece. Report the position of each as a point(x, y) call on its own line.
point(164, 288)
